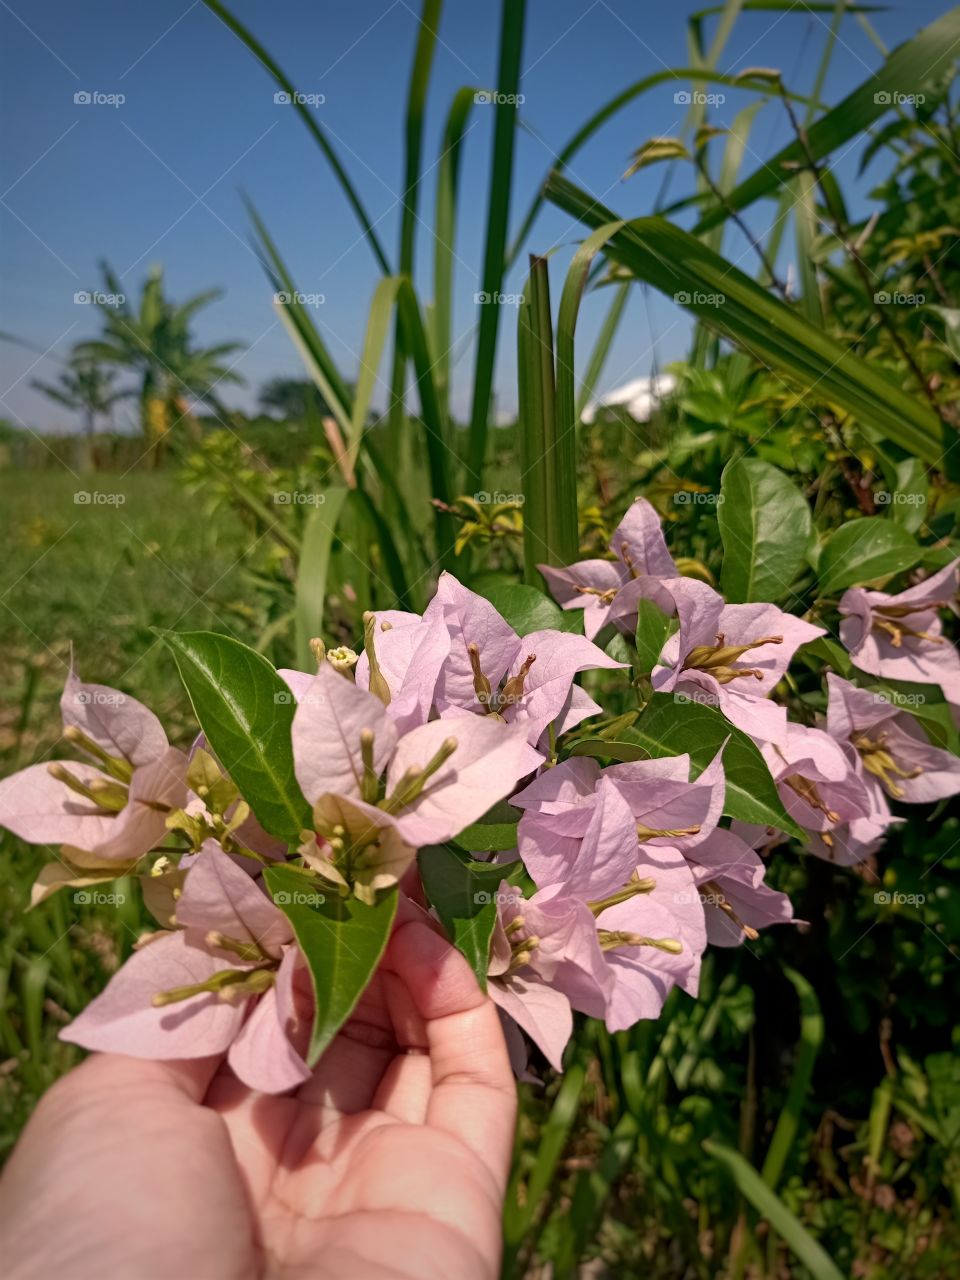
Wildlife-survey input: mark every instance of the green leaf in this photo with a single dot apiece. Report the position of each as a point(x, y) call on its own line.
point(670, 727)
point(488, 837)
point(765, 526)
point(653, 627)
point(528, 609)
point(342, 940)
point(865, 550)
point(464, 895)
point(735, 306)
point(246, 712)
point(771, 1207)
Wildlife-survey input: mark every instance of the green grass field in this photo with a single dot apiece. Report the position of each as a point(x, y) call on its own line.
point(96, 575)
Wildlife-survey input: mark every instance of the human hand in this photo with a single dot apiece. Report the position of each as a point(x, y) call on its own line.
point(390, 1162)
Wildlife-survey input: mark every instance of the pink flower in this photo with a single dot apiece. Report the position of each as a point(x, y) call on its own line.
point(900, 637)
point(580, 836)
point(730, 878)
point(732, 656)
point(463, 658)
point(110, 808)
point(582, 825)
point(377, 795)
point(597, 586)
point(544, 957)
point(222, 983)
point(822, 790)
point(891, 753)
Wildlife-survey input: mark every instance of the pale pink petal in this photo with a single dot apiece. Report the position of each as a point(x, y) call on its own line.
point(41, 810)
point(218, 895)
point(543, 1013)
point(124, 1020)
point(410, 656)
point(330, 716)
point(489, 760)
point(470, 619)
point(119, 724)
point(639, 542)
point(263, 1056)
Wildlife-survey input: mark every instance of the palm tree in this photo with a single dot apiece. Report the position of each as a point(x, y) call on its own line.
point(156, 343)
point(294, 399)
point(86, 387)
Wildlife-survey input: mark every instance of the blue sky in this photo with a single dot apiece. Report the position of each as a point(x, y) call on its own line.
point(157, 179)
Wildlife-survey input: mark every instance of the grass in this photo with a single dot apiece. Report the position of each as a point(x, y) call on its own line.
point(95, 575)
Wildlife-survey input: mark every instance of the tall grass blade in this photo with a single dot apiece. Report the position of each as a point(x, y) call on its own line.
point(772, 1208)
point(910, 69)
point(498, 212)
point(311, 586)
point(287, 86)
point(683, 267)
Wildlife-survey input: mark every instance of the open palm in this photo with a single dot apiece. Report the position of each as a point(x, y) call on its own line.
point(391, 1161)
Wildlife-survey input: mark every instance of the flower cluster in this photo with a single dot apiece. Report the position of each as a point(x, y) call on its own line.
point(623, 867)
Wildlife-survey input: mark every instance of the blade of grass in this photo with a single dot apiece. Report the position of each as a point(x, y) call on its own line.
point(429, 20)
point(444, 237)
point(537, 413)
point(728, 301)
point(601, 349)
point(908, 70)
point(311, 584)
point(498, 212)
point(788, 1123)
point(315, 130)
point(773, 1210)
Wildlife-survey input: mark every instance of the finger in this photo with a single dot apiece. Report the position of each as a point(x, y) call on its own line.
point(404, 1091)
point(474, 1096)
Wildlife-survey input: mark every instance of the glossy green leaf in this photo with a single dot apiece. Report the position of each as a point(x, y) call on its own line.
point(528, 609)
point(464, 896)
point(863, 551)
point(246, 712)
point(653, 627)
point(765, 526)
point(488, 837)
point(342, 940)
point(674, 726)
